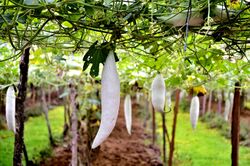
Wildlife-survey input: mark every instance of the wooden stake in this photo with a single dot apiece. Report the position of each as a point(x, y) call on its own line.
point(176, 109)
point(45, 111)
point(235, 128)
point(74, 125)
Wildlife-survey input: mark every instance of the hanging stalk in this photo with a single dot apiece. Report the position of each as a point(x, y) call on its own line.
point(176, 109)
point(164, 137)
point(22, 88)
point(45, 111)
point(235, 128)
point(74, 125)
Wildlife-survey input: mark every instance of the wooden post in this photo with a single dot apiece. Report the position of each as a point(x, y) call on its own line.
point(22, 88)
point(74, 125)
point(45, 111)
point(235, 128)
point(176, 109)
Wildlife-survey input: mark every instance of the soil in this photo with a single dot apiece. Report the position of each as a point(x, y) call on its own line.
point(120, 149)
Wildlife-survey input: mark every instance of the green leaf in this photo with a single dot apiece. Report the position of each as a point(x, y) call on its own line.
point(67, 24)
point(95, 55)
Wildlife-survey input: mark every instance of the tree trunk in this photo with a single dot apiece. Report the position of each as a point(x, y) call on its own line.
point(235, 125)
point(45, 111)
point(74, 125)
point(210, 101)
point(22, 88)
point(176, 109)
point(164, 138)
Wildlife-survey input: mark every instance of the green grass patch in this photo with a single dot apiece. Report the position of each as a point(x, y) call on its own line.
point(200, 147)
point(35, 137)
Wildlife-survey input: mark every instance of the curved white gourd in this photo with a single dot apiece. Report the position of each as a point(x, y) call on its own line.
point(128, 113)
point(227, 109)
point(194, 111)
point(11, 108)
point(158, 93)
point(110, 100)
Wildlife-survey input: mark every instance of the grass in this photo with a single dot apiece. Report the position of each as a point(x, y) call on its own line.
point(200, 147)
point(35, 137)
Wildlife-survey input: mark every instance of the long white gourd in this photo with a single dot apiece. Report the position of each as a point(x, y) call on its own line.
point(128, 113)
point(158, 93)
point(194, 111)
point(227, 109)
point(110, 100)
point(11, 108)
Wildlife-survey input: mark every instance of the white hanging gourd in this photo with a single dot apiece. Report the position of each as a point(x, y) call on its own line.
point(128, 113)
point(11, 108)
point(158, 93)
point(110, 100)
point(194, 111)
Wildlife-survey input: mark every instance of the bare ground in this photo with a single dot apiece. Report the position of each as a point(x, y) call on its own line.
point(120, 149)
